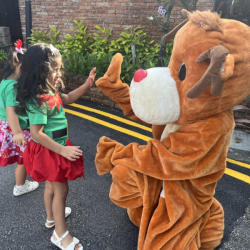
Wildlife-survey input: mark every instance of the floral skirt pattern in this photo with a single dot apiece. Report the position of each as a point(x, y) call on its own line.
point(10, 152)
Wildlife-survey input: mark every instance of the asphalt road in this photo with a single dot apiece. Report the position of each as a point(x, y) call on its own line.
point(95, 220)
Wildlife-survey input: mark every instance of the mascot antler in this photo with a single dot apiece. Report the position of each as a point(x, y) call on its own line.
point(217, 55)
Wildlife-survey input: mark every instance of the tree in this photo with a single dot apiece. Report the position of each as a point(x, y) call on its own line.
point(233, 9)
point(165, 10)
point(189, 4)
point(168, 6)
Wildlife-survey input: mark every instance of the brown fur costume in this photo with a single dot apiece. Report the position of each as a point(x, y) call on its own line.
point(191, 156)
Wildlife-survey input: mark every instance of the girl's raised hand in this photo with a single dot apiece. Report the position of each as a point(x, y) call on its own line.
point(71, 152)
point(19, 139)
point(91, 77)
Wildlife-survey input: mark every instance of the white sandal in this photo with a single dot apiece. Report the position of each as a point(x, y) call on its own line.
point(67, 213)
point(58, 240)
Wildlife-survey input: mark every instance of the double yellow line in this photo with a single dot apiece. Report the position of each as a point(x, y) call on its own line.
point(228, 171)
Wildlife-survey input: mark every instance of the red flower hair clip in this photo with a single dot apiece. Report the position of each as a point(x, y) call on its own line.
point(18, 45)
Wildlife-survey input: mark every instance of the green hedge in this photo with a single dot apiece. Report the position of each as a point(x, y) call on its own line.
point(81, 51)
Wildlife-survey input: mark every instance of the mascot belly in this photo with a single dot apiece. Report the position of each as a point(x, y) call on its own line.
point(167, 186)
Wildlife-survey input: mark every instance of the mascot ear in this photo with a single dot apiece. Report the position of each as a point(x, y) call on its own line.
point(228, 68)
point(185, 13)
point(173, 32)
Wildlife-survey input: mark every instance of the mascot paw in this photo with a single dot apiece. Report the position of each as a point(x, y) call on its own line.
point(113, 73)
point(105, 150)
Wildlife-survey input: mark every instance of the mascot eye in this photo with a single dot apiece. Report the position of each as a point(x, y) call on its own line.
point(182, 72)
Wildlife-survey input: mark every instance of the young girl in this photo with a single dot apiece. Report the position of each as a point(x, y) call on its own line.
point(50, 156)
point(14, 129)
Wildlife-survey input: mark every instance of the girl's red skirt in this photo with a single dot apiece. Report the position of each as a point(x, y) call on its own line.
point(10, 152)
point(43, 164)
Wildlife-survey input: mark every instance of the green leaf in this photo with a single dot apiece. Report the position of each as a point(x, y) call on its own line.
point(99, 28)
point(126, 35)
point(139, 32)
point(137, 28)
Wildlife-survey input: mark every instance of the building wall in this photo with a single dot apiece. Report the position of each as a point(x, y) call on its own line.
point(116, 14)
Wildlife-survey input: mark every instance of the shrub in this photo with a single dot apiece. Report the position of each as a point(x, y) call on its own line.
point(47, 36)
point(82, 64)
point(38, 37)
point(82, 52)
point(101, 40)
point(132, 37)
point(80, 42)
point(3, 55)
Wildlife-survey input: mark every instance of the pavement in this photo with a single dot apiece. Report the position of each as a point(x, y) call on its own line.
point(240, 147)
point(239, 237)
point(95, 220)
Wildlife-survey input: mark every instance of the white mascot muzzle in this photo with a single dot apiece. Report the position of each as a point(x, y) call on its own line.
point(154, 96)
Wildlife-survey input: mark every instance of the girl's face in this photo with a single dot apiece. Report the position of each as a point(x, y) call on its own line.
point(55, 73)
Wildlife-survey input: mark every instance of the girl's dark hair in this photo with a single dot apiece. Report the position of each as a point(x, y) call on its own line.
point(38, 63)
point(14, 59)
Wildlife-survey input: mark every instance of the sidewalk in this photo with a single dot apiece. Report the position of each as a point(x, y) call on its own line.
point(240, 147)
point(240, 151)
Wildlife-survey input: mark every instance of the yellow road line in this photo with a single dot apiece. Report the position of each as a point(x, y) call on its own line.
point(238, 175)
point(109, 125)
point(228, 171)
point(239, 163)
point(114, 117)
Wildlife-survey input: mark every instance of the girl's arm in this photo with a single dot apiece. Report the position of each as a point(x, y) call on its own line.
point(70, 152)
point(77, 93)
point(13, 121)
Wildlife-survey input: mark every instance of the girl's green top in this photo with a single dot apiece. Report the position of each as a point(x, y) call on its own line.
point(50, 113)
point(8, 99)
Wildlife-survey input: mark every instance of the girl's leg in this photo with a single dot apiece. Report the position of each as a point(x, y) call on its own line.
point(58, 207)
point(20, 175)
point(48, 198)
point(22, 185)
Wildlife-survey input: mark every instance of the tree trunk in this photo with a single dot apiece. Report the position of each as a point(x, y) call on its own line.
point(165, 28)
point(162, 52)
point(194, 5)
point(134, 53)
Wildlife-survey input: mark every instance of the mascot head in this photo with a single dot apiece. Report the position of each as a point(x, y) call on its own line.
point(208, 73)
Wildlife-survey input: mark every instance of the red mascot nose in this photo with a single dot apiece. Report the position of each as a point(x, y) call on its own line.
point(140, 74)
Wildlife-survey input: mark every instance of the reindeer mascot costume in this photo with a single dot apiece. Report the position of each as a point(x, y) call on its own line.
point(167, 186)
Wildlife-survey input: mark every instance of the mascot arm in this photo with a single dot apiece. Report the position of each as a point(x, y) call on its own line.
point(193, 151)
point(112, 86)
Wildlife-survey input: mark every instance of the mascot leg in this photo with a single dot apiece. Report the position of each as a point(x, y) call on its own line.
point(134, 191)
point(135, 215)
point(212, 233)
